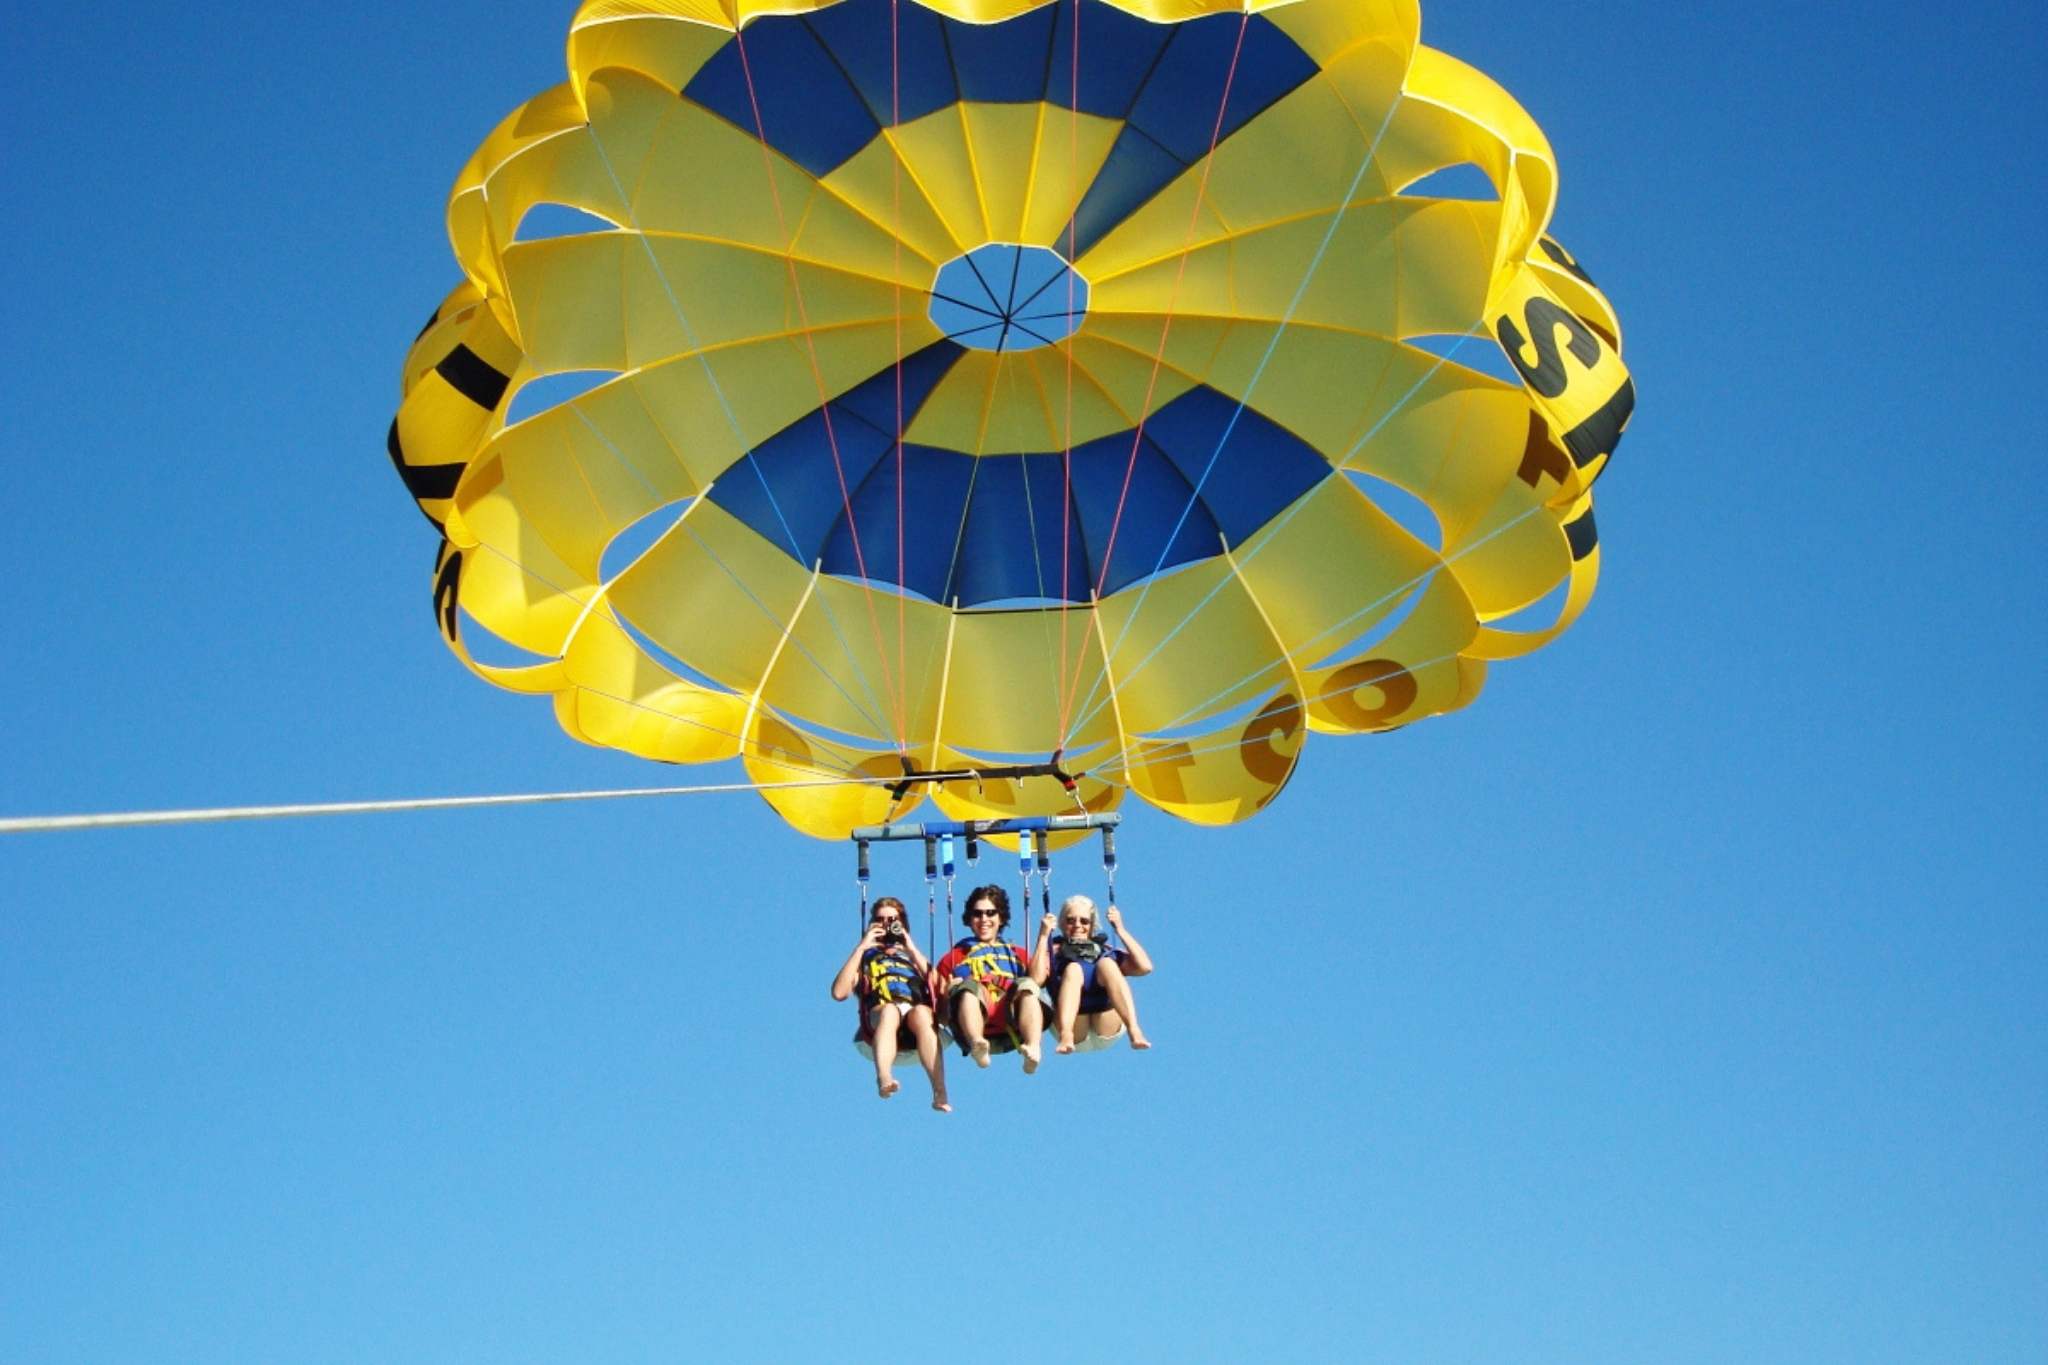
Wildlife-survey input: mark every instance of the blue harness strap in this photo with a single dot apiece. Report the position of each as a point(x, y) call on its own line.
point(861, 875)
point(1109, 862)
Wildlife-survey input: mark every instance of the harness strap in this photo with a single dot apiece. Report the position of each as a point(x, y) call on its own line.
point(1024, 871)
point(931, 898)
point(1109, 862)
point(1044, 872)
point(862, 877)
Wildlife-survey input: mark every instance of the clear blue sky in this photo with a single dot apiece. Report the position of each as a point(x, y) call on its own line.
point(1682, 1002)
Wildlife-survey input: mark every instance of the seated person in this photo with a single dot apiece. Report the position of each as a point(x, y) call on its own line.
point(991, 1000)
point(1092, 994)
point(893, 981)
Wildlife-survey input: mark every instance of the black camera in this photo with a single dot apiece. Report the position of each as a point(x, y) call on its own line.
point(892, 932)
point(1084, 949)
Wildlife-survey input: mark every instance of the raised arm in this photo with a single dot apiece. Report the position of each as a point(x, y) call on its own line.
point(1041, 954)
point(1140, 962)
point(842, 984)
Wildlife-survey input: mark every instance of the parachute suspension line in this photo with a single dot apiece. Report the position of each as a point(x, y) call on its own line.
point(959, 539)
point(686, 720)
point(1159, 358)
point(949, 597)
point(896, 235)
point(1044, 871)
point(1258, 373)
point(788, 628)
point(1037, 563)
point(846, 770)
point(1314, 642)
point(39, 824)
point(946, 867)
point(733, 422)
point(1024, 871)
point(1033, 853)
point(1227, 744)
point(818, 376)
point(1270, 535)
point(1068, 512)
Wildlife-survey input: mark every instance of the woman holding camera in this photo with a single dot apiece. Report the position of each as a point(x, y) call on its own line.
point(1090, 979)
point(893, 981)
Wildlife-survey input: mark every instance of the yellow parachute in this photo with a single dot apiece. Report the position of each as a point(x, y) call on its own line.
point(880, 387)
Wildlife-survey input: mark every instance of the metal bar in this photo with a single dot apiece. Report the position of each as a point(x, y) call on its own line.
point(933, 829)
point(912, 777)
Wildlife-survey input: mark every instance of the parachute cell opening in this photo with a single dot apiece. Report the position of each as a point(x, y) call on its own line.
point(548, 391)
point(1462, 181)
point(543, 222)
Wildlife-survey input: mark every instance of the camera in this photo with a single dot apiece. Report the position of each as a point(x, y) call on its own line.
point(892, 932)
point(1084, 949)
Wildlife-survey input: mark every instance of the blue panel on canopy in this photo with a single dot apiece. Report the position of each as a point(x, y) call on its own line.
point(807, 109)
point(994, 528)
point(1174, 118)
point(1117, 52)
point(1135, 170)
point(1178, 106)
point(878, 401)
point(789, 488)
point(1014, 525)
point(914, 80)
point(1247, 466)
point(936, 486)
point(827, 82)
point(1161, 526)
point(1003, 63)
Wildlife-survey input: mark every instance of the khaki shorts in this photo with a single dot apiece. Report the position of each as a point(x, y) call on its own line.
point(1000, 1024)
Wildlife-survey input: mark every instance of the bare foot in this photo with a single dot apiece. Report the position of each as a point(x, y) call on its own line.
point(939, 1103)
point(889, 1087)
point(979, 1052)
point(1066, 1046)
point(1030, 1051)
point(1138, 1041)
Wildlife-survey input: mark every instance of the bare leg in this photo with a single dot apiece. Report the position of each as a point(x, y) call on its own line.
point(1067, 1006)
point(927, 1035)
point(1119, 990)
point(971, 1018)
point(1030, 1017)
point(882, 1027)
point(1103, 1025)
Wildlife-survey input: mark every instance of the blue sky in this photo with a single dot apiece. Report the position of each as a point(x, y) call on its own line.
point(1683, 1001)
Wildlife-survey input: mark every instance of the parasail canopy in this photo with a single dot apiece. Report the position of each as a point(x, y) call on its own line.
point(880, 387)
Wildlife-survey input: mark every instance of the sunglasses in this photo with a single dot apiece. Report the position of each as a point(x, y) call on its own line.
point(983, 912)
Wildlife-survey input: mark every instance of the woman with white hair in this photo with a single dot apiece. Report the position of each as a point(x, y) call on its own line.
point(1090, 979)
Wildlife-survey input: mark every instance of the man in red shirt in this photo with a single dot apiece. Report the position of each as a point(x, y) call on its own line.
point(990, 996)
